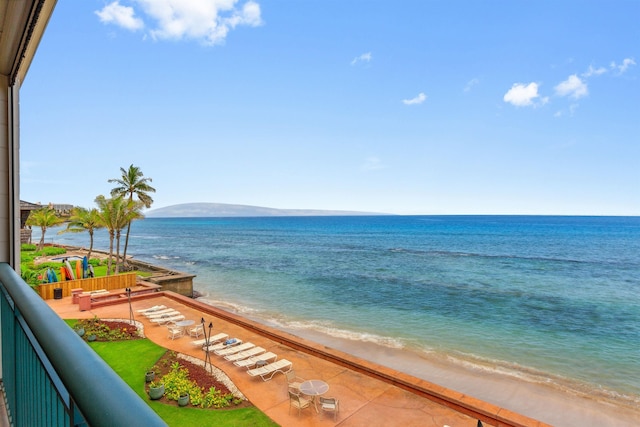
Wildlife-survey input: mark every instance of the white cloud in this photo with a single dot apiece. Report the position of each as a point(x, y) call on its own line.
point(208, 21)
point(573, 87)
point(621, 68)
point(592, 71)
point(123, 16)
point(373, 163)
point(522, 95)
point(365, 57)
point(470, 84)
point(414, 101)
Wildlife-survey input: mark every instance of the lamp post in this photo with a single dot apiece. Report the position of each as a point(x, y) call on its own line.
point(207, 337)
point(128, 290)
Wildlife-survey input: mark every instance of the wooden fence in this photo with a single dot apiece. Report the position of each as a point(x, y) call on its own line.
point(120, 281)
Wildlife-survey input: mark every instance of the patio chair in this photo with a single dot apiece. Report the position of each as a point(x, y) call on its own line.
point(293, 381)
point(268, 371)
point(196, 331)
point(297, 401)
point(329, 404)
point(175, 331)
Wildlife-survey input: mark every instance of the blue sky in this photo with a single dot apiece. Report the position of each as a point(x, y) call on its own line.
point(409, 107)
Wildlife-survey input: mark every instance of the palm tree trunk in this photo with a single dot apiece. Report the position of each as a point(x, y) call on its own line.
point(41, 244)
point(110, 254)
point(117, 251)
point(126, 244)
point(90, 245)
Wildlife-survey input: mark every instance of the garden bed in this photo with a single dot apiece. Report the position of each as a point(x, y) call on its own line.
point(170, 361)
point(209, 389)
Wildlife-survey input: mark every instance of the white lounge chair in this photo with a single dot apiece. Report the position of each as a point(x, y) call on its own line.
point(151, 309)
point(244, 354)
point(159, 313)
point(250, 362)
point(234, 349)
point(223, 345)
point(268, 371)
point(164, 320)
point(212, 340)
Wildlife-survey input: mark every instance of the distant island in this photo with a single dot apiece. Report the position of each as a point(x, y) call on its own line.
point(208, 210)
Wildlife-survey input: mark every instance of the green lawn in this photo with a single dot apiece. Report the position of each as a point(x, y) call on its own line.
point(131, 359)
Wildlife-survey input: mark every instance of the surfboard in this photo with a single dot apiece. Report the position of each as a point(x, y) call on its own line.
point(63, 273)
point(78, 269)
point(69, 270)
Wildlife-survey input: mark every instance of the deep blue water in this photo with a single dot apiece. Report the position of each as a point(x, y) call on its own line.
point(539, 296)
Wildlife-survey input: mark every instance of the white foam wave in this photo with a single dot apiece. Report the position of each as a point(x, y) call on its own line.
point(165, 257)
point(330, 330)
point(228, 306)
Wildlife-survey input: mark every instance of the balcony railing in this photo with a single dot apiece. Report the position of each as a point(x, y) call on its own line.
point(51, 377)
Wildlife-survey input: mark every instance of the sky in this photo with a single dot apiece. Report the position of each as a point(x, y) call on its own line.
point(413, 107)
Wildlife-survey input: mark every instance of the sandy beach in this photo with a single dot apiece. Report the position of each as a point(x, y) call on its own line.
point(536, 400)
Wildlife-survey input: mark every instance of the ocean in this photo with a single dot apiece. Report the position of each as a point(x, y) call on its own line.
point(539, 298)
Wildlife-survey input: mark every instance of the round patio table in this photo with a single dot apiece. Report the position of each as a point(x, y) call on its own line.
point(314, 388)
point(184, 324)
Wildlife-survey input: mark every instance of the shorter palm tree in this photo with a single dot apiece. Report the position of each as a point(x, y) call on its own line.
point(115, 214)
point(43, 218)
point(82, 220)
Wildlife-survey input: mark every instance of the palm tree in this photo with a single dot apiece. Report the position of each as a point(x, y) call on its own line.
point(107, 211)
point(133, 182)
point(43, 218)
point(128, 211)
point(82, 220)
point(116, 213)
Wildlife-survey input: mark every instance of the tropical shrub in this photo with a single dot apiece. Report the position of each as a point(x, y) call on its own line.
point(177, 382)
point(107, 330)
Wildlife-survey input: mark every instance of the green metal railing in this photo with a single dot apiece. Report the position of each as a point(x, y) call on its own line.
point(50, 376)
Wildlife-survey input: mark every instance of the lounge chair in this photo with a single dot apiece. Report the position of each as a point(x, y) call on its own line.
point(159, 313)
point(151, 309)
point(167, 319)
point(250, 362)
point(234, 349)
point(299, 402)
point(244, 354)
point(268, 371)
point(222, 345)
point(212, 340)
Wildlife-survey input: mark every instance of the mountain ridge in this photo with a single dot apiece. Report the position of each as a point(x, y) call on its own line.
point(204, 210)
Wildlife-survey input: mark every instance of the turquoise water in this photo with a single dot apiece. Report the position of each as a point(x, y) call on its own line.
point(540, 297)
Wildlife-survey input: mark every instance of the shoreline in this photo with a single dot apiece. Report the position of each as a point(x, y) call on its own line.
point(547, 402)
